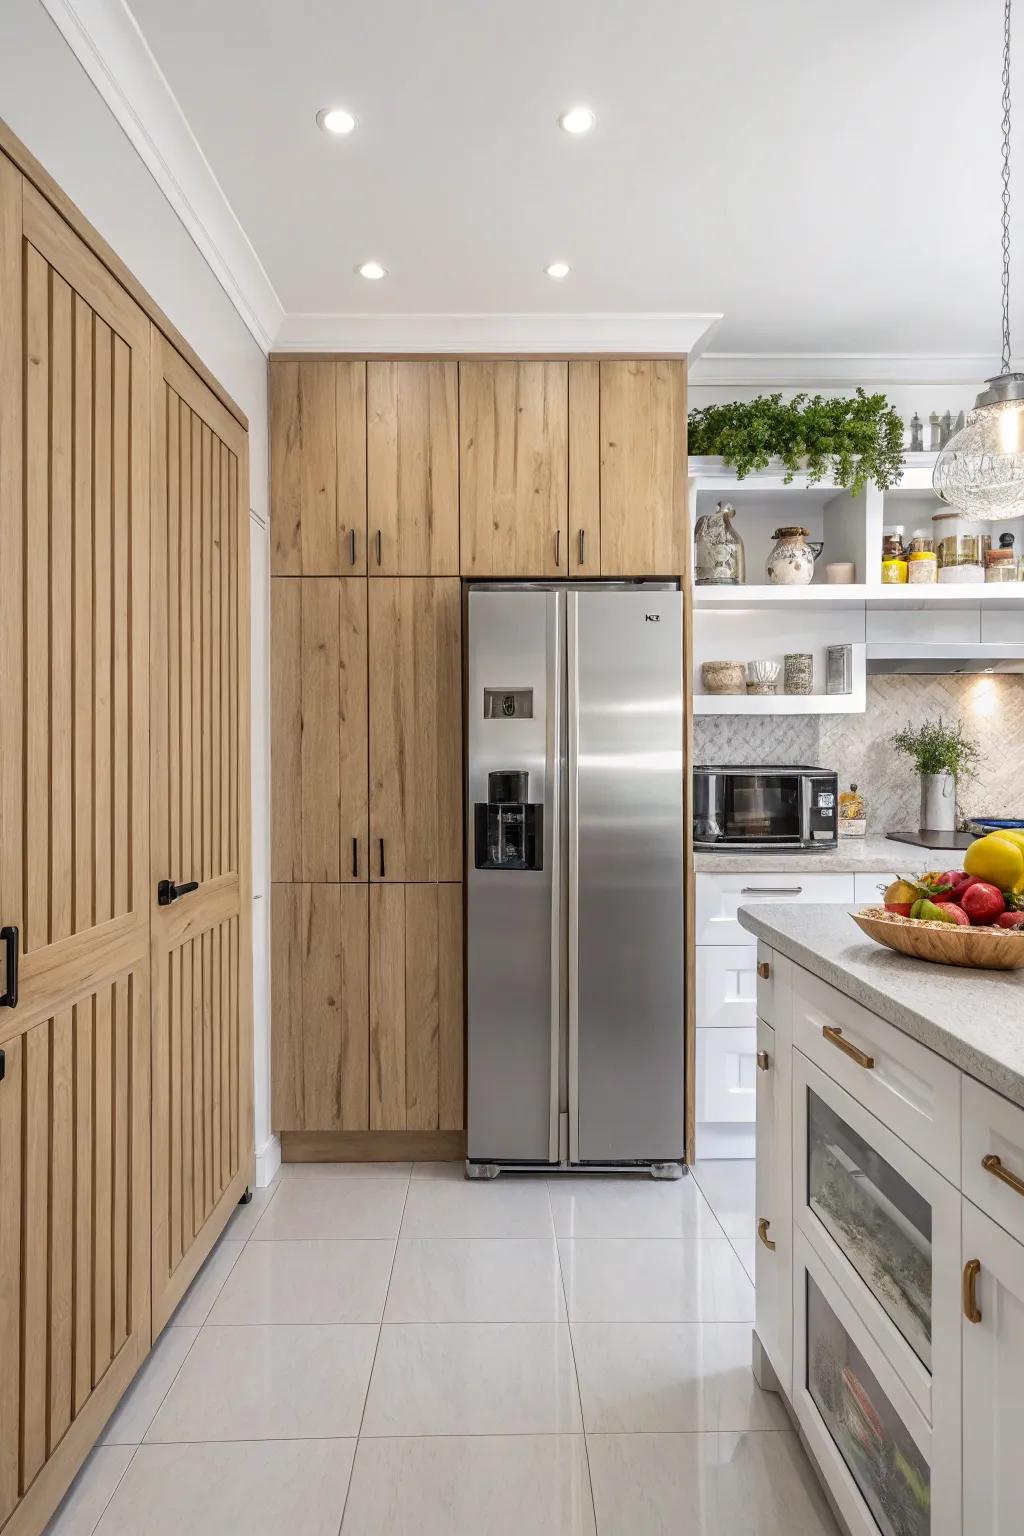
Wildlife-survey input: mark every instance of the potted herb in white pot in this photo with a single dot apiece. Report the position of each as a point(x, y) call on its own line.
point(943, 755)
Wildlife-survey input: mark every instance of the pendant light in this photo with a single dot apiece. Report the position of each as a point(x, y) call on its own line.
point(981, 468)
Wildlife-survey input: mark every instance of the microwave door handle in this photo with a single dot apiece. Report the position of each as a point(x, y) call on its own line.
point(805, 810)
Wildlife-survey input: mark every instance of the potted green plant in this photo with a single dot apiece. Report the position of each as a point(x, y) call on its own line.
point(943, 755)
point(856, 438)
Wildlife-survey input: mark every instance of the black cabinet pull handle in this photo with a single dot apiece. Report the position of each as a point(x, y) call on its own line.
point(378, 546)
point(355, 858)
point(583, 546)
point(167, 891)
point(12, 947)
point(558, 546)
point(351, 546)
point(381, 841)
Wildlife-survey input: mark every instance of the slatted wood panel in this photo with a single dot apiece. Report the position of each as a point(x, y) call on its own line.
point(643, 468)
point(584, 468)
point(415, 650)
point(319, 1011)
point(514, 468)
point(318, 467)
point(416, 1008)
point(202, 1009)
point(412, 468)
point(319, 729)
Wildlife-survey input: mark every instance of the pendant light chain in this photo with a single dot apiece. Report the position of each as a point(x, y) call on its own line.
point(1006, 189)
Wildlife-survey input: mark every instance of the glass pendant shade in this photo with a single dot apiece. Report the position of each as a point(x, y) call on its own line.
point(981, 468)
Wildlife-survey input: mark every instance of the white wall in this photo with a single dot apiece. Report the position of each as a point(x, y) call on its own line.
point(50, 103)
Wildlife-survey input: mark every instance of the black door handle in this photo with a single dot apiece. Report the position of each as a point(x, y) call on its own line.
point(9, 935)
point(167, 891)
point(381, 841)
point(355, 858)
point(351, 546)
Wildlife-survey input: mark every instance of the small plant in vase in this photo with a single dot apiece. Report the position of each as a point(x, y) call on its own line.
point(944, 755)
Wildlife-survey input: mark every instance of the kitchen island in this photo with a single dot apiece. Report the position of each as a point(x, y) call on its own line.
point(890, 1212)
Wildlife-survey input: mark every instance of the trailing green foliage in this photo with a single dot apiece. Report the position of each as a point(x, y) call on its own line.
point(940, 748)
point(856, 439)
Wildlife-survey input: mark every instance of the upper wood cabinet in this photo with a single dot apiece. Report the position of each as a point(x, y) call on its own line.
point(412, 468)
point(318, 729)
point(585, 468)
point(514, 468)
point(415, 668)
point(643, 468)
point(317, 467)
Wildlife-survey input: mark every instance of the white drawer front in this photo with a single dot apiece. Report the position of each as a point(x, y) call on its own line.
point(993, 1128)
point(726, 986)
point(726, 1075)
point(907, 1087)
point(865, 887)
point(719, 897)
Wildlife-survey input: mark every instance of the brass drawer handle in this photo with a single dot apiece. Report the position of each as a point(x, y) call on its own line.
point(762, 1061)
point(994, 1165)
point(762, 1232)
point(835, 1037)
point(972, 1269)
point(764, 970)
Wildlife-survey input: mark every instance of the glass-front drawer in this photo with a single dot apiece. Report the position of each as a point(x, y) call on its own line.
point(893, 1477)
point(880, 1221)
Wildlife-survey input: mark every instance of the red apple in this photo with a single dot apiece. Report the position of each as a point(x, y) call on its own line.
point(1010, 920)
point(952, 877)
point(956, 912)
point(983, 903)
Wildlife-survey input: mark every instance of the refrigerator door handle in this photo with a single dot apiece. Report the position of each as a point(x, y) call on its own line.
point(553, 813)
point(572, 746)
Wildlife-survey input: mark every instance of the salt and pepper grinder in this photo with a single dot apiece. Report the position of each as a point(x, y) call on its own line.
point(916, 429)
point(934, 432)
point(947, 429)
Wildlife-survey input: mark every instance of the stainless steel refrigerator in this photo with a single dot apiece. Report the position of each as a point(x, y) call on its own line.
point(575, 949)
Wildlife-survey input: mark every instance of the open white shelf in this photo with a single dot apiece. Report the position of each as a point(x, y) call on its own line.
point(780, 703)
point(856, 593)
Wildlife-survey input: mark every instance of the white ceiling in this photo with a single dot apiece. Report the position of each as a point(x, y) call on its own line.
point(826, 176)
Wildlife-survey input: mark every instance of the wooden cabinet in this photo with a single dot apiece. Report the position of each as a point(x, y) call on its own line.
point(416, 1008)
point(514, 468)
point(412, 468)
point(584, 468)
point(317, 467)
point(993, 1368)
point(643, 469)
point(415, 702)
point(319, 729)
point(320, 1007)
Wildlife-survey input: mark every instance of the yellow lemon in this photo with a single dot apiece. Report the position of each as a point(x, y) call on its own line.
point(997, 859)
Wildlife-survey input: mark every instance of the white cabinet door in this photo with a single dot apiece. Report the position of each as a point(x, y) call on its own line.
point(720, 896)
point(773, 1211)
point(726, 986)
point(725, 1075)
point(993, 1363)
point(993, 1155)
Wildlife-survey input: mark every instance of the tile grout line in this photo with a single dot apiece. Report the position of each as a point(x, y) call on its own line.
point(113, 1491)
point(572, 1351)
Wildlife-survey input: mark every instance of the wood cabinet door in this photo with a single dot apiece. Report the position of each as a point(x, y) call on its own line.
point(319, 730)
point(200, 788)
point(643, 468)
point(993, 1369)
point(415, 655)
point(412, 452)
point(317, 467)
point(74, 850)
point(584, 468)
point(514, 468)
point(416, 1008)
point(320, 1033)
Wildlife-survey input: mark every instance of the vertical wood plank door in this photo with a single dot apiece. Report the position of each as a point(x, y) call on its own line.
point(514, 468)
point(415, 654)
point(417, 1051)
point(412, 412)
point(584, 468)
point(319, 729)
point(74, 850)
point(199, 786)
point(643, 468)
point(317, 467)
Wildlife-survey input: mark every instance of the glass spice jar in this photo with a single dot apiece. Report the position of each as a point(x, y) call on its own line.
point(922, 567)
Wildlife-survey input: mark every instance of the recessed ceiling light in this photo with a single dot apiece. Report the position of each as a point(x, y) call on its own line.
point(372, 270)
point(577, 120)
point(558, 269)
point(335, 120)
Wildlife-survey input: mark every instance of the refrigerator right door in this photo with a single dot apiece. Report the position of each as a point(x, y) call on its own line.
point(625, 875)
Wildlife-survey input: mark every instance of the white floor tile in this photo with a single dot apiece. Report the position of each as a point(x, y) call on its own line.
point(639, 1377)
point(259, 1383)
point(345, 1170)
point(245, 1218)
point(657, 1280)
point(316, 1281)
point(333, 1208)
point(270, 1488)
point(705, 1485)
point(91, 1492)
point(473, 1379)
point(501, 1486)
point(630, 1207)
point(450, 1208)
point(447, 1170)
point(476, 1280)
point(728, 1187)
point(195, 1305)
point(744, 1247)
point(136, 1411)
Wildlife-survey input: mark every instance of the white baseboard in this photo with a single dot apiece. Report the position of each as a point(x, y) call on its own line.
point(268, 1161)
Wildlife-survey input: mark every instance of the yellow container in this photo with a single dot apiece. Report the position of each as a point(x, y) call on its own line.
point(894, 572)
point(923, 567)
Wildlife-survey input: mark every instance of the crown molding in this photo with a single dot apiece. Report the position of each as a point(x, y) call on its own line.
point(826, 370)
point(106, 40)
point(636, 335)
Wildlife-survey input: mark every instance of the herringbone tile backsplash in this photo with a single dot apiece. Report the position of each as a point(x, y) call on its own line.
point(857, 746)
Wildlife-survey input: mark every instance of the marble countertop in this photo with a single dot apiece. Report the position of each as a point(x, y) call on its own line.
point(852, 855)
point(975, 1019)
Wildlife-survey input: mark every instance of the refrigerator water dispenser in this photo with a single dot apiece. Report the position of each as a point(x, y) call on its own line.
point(508, 828)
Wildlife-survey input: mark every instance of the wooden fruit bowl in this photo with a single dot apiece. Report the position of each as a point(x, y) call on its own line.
point(986, 949)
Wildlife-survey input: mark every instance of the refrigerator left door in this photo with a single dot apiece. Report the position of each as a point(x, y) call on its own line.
point(514, 958)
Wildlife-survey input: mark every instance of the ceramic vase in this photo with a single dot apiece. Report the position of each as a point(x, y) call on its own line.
point(791, 562)
point(938, 802)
